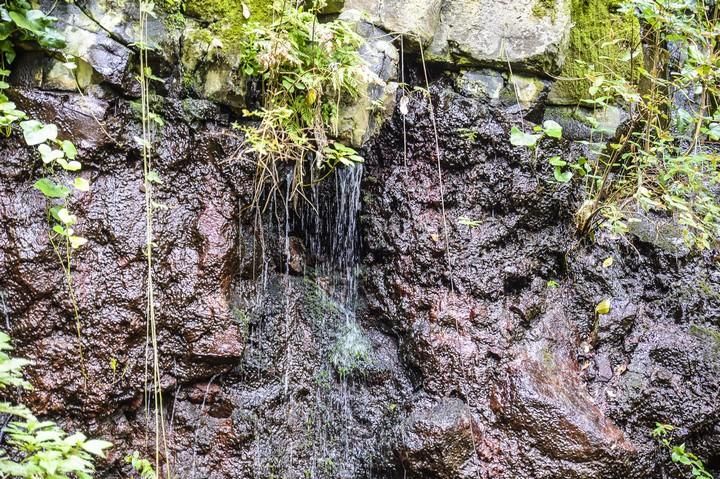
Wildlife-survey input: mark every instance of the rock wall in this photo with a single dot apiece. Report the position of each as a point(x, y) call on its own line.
point(470, 364)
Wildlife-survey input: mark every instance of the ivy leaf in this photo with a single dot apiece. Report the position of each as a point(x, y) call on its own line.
point(51, 189)
point(69, 148)
point(556, 161)
point(520, 138)
point(603, 307)
point(562, 176)
point(96, 446)
point(36, 132)
point(552, 129)
point(81, 184)
point(48, 155)
point(69, 165)
point(66, 217)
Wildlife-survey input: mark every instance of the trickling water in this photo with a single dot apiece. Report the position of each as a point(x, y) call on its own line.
point(322, 306)
point(331, 233)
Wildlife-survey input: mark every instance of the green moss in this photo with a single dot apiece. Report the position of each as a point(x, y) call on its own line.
point(707, 333)
point(229, 11)
point(545, 8)
point(599, 37)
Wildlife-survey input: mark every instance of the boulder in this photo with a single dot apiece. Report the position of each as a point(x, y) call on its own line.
point(530, 33)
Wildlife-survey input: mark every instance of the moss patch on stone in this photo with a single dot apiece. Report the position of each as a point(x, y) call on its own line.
point(229, 11)
point(545, 8)
point(711, 334)
point(600, 37)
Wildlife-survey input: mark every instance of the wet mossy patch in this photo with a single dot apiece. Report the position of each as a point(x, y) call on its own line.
point(602, 37)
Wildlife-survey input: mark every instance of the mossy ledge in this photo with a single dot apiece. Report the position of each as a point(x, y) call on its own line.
point(600, 37)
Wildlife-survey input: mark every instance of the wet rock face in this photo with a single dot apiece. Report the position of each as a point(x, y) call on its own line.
point(553, 389)
point(471, 350)
point(193, 272)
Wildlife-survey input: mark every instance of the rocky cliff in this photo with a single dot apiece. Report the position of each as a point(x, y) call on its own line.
point(431, 316)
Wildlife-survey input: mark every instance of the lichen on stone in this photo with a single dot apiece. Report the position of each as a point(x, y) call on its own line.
point(599, 37)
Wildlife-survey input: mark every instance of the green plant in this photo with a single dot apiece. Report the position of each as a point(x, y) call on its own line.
point(308, 69)
point(678, 454)
point(37, 449)
point(141, 466)
point(19, 22)
point(351, 352)
point(666, 160)
point(562, 170)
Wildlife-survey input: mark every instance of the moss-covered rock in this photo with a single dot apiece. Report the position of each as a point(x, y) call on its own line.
point(600, 37)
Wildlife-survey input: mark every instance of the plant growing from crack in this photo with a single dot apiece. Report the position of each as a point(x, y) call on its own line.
point(665, 159)
point(308, 69)
point(563, 170)
point(678, 454)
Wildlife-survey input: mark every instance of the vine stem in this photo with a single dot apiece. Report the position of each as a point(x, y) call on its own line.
point(151, 325)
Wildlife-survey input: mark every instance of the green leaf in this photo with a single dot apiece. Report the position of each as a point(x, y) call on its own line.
point(520, 138)
point(69, 148)
point(22, 21)
point(66, 217)
point(51, 189)
point(36, 132)
point(562, 176)
point(96, 446)
point(48, 155)
point(603, 307)
point(552, 129)
point(556, 161)
point(77, 241)
point(153, 177)
point(81, 184)
point(69, 165)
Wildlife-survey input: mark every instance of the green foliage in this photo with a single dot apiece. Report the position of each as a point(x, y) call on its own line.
point(20, 22)
point(666, 163)
point(308, 70)
point(678, 454)
point(141, 466)
point(601, 38)
point(37, 449)
point(563, 170)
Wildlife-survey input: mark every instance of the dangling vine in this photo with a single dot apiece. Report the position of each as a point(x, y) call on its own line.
point(153, 400)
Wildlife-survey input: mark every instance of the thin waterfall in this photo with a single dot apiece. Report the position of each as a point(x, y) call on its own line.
point(330, 226)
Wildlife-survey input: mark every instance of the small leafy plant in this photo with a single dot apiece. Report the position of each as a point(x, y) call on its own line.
point(665, 160)
point(19, 22)
point(40, 449)
point(562, 170)
point(678, 454)
point(308, 69)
